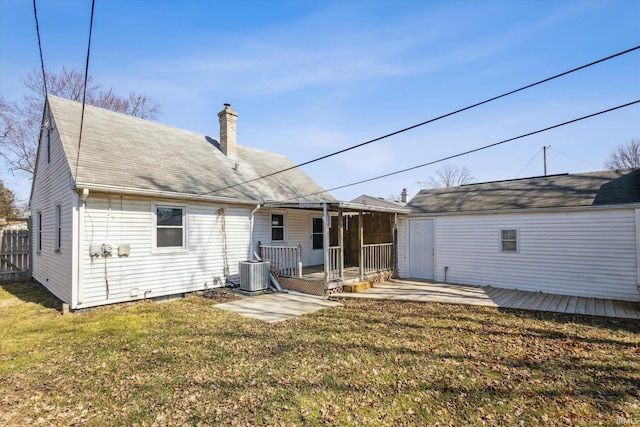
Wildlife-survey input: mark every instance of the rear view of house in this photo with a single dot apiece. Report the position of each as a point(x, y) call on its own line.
point(136, 209)
point(573, 234)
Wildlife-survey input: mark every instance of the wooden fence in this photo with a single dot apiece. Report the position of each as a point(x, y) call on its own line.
point(14, 254)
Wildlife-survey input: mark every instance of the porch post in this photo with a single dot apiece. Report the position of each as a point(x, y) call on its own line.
point(361, 244)
point(341, 244)
point(299, 262)
point(325, 242)
point(394, 249)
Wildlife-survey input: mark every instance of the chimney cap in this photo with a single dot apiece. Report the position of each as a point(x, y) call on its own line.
point(227, 105)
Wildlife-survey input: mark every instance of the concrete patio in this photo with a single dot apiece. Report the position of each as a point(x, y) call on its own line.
point(276, 307)
point(415, 290)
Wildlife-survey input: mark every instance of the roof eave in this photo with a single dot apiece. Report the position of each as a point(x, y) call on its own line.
point(110, 189)
point(529, 210)
point(333, 204)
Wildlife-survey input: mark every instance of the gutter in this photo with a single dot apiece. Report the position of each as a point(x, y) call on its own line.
point(417, 213)
point(98, 188)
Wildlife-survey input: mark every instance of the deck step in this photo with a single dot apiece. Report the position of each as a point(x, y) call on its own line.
point(356, 287)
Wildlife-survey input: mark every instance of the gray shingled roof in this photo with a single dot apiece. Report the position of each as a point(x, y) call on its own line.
point(124, 151)
point(377, 201)
point(582, 189)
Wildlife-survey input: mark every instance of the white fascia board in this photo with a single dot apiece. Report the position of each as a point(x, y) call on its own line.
point(530, 210)
point(99, 188)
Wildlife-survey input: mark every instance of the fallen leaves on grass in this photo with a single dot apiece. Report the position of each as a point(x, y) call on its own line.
point(363, 363)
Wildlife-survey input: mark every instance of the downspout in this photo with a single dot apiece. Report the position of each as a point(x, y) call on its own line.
point(251, 215)
point(81, 208)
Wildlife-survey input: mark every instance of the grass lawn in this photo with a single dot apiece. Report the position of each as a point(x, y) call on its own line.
point(366, 362)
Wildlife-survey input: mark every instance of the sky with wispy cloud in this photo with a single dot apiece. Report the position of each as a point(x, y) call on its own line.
point(312, 77)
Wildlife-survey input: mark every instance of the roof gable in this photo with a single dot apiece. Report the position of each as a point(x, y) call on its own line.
point(555, 191)
point(123, 151)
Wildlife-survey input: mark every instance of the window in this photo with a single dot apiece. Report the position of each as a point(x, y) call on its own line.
point(509, 240)
point(317, 233)
point(170, 227)
point(39, 234)
point(277, 227)
point(58, 228)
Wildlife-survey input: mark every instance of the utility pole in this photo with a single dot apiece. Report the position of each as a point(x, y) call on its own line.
point(544, 149)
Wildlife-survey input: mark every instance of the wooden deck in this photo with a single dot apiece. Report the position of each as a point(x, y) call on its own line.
point(414, 290)
point(315, 273)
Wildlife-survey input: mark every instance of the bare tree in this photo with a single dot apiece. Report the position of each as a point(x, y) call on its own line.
point(625, 156)
point(448, 176)
point(20, 121)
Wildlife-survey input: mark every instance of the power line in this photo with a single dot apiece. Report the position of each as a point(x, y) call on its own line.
point(472, 151)
point(84, 94)
point(427, 121)
point(573, 157)
point(44, 75)
point(529, 162)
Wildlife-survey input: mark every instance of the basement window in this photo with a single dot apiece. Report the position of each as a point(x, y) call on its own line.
point(509, 240)
point(170, 228)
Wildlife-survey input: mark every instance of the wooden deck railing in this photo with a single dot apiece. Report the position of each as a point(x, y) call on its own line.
point(335, 264)
point(377, 257)
point(288, 258)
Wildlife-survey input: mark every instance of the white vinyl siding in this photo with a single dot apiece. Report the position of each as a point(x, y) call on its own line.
point(584, 253)
point(127, 220)
point(51, 188)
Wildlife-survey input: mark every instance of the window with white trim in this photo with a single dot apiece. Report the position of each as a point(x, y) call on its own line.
point(170, 227)
point(48, 145)
point(39, 234)
point(58, 228)
point(277, 227)
point(509, 240)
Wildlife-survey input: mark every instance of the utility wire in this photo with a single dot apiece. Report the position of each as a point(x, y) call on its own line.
point(573, 157)
point(428, 121)
point(472, 151)
point(84, 94)
point(528, 163)
point(44, 75)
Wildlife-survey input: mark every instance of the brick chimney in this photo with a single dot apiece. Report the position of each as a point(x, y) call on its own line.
point(228, 119)
point(404, 196)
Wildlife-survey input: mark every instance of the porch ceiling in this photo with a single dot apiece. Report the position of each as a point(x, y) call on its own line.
point(335, 206)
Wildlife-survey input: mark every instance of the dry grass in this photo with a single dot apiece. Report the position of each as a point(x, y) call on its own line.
point(366, 362)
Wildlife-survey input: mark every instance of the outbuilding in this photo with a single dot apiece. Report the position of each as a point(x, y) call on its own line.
point(570, 234)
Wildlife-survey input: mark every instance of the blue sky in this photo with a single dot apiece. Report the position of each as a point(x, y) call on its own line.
point(312, 77)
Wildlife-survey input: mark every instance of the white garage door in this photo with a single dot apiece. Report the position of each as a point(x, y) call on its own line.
point(421, 248)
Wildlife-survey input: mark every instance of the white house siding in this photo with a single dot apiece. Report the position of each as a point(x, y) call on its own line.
point(587, 253)
point(51, 187)
point(297, 229)
point(130, 221)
